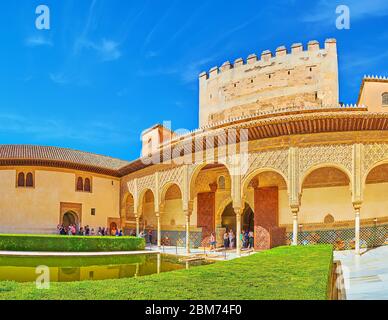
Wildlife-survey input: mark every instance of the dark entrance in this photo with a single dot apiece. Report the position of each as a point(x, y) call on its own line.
point(229, 218)
point(70, 218)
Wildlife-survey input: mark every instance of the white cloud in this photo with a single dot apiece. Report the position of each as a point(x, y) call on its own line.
point(107, 50)
point(36, 41)
point(59, 78)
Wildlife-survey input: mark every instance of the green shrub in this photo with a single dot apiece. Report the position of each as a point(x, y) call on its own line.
point(69, 243)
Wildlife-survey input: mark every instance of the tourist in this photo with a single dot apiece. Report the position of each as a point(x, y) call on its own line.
point(99, 232)
point(231, 239)
point(87, 231)
point(92, 233)
point(117, 233)
point(226, 240)
point(251, 239)
point(246, 239)
point(212, 242)
point(73, 230)
point(150, 236)
point(81, 231)
point(121, 233)
point(241, 237)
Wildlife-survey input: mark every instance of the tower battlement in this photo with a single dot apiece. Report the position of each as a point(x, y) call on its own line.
point(298, 77)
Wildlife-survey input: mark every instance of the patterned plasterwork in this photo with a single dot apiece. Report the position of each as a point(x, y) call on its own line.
point(373, 154)
point(275, 159)
point(339, 154)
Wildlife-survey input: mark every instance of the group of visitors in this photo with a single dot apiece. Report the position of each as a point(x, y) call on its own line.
point(246, 239)
point(73, 230)
point(147, 235)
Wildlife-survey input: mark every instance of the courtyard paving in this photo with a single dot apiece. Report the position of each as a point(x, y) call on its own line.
point(365, 276)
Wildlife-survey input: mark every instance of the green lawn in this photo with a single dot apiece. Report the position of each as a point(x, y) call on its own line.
point(283, 273)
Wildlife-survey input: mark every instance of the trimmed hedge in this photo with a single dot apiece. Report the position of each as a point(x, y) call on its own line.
point(45, 243)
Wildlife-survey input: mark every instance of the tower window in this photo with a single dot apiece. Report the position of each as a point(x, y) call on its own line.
point(385, 99)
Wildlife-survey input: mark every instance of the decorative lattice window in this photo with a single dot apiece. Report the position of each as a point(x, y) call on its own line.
point(29, 180)
point(80, 184)
point(21, 182)
point(221, 183)
point(87, 186)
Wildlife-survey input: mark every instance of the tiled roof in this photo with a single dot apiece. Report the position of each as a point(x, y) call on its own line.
point(67, 157)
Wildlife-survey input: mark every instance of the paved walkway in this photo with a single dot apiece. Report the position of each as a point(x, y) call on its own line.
point(216, 255)
point(365, 276)
point(74, 254)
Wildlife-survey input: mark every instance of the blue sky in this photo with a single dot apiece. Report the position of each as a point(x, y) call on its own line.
point(108, 69)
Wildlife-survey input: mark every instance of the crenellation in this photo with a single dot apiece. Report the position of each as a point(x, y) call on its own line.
point(296, 48)
point(331, 45)
point(226, 66)
point(213, 72)
point(313, 45)
point(281, 51)
point(238, 62)
point(252, 58)
point(266, 55)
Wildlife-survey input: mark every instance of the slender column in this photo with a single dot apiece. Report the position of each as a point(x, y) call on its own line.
point(238, 230)
point(159, 231)
point(137, 226)
point(295, 226)
point(357, 229)
point(187, 233)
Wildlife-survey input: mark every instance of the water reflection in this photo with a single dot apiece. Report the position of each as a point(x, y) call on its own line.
point(22, 269)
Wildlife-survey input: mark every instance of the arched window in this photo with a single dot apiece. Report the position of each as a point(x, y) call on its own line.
point(87, 186)
point(80, 184)
point(29, 180)
point(385, 99)
point(21, 179)
point(221, 182)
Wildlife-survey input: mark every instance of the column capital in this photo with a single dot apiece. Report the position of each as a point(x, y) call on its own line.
point(295, 210)
point(357, 205)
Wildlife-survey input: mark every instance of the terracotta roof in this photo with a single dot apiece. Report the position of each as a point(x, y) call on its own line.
point(59, 157)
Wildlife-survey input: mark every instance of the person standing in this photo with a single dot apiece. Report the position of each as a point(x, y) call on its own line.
point(226, 240)
point(212, 242)
point(251, 240)
point(231, 239)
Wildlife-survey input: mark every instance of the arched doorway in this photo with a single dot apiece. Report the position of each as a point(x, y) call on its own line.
point(326, 202)
point(113, 228)
point(70, 218)
point(266, 189)
point(228, 218)
point(206, 195)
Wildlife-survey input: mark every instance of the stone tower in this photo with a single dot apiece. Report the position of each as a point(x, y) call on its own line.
point(299, 78)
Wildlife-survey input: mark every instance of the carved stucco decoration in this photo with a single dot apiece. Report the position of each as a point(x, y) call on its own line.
point(339, 154)
point(172, 176)
point(274, 159)
point(373, 154)
point(144, 183)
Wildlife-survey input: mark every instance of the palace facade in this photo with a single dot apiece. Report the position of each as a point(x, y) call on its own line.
point(276, 153)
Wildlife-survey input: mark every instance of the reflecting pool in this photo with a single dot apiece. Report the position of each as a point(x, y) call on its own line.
point(68, 269)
